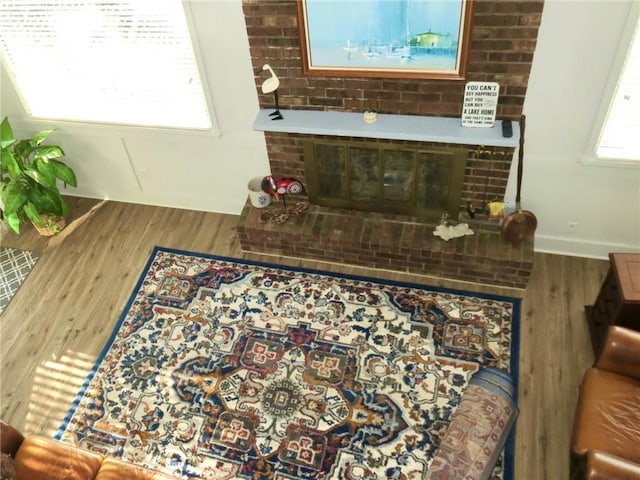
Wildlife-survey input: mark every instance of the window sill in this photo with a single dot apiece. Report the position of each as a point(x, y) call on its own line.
point(593, 161)
point(390, 127)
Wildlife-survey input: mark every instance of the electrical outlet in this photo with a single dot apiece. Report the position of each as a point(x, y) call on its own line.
point(572, 227)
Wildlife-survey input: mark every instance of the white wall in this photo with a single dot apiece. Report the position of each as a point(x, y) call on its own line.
point(577, 43)
point(187, 170)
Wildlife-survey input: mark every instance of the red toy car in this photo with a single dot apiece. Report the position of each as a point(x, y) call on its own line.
point(275, 188)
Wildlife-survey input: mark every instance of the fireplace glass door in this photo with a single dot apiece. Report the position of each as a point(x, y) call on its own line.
point(384, 177)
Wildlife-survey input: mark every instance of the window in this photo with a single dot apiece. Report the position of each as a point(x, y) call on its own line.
point(619, 139)
point(127, 61)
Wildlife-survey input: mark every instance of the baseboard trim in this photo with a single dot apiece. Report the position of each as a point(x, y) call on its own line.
point(225, 208)
point(580, 247)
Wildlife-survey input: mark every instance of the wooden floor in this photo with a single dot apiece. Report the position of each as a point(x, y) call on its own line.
point(59, 320)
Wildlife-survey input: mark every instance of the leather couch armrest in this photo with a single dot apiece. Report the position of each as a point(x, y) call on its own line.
point(40, 458)
point(10, 439)
point(621, 352)
point(114, 469)
point(602, 466)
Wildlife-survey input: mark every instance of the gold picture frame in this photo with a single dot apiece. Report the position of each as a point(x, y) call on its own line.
point(401, 39)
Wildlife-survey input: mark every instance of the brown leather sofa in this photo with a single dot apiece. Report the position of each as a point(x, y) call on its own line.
point(606, 430)
point(39, 458)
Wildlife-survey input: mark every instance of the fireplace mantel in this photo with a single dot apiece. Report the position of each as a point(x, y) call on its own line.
point(390, 127)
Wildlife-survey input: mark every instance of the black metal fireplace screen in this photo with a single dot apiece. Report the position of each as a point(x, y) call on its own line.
point(388, 178)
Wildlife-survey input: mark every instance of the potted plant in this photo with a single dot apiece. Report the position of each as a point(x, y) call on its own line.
point(29, 174)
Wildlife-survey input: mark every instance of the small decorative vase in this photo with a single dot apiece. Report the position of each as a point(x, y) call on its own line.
point(370, 116)
point(52, 225)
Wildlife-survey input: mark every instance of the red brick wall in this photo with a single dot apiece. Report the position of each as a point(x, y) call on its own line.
point(502, 45)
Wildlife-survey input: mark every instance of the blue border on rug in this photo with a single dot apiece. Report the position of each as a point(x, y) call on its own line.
point(515, 328)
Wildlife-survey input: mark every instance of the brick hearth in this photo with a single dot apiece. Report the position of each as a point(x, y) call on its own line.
point(390, 242)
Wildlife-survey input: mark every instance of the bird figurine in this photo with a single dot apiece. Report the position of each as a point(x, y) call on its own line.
point(271, 84)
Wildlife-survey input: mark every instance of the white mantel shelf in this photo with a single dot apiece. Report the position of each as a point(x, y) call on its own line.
point(391, 127)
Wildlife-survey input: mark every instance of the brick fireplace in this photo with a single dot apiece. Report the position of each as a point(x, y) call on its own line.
point(502, 46)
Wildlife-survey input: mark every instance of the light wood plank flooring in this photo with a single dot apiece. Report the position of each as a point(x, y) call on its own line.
point(57, 323)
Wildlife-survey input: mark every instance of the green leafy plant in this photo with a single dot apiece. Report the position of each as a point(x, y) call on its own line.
point(29, 174)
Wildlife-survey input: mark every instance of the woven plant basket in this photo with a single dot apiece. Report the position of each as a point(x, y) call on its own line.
point(53, 225)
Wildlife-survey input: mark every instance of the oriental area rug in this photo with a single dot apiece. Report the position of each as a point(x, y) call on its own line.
point(221, 368)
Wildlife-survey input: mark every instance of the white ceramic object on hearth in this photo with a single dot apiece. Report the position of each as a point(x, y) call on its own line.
point(370, 116)
point(258, 197)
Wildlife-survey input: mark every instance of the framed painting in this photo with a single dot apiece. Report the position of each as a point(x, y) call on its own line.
point(385, 38)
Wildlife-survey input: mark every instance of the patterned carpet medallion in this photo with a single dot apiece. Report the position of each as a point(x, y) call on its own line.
point(223, 369)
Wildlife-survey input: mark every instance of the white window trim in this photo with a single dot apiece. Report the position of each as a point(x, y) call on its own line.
point(589, 157)
point(197, 53)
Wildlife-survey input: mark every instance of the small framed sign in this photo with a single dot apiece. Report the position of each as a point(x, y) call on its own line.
point(480, 104)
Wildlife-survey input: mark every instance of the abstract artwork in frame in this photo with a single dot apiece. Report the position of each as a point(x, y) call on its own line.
point(385, 38)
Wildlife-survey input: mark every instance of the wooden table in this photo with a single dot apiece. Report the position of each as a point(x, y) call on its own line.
point(618, 302)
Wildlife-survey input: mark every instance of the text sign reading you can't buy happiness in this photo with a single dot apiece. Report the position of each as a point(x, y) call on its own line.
point(480, 103)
